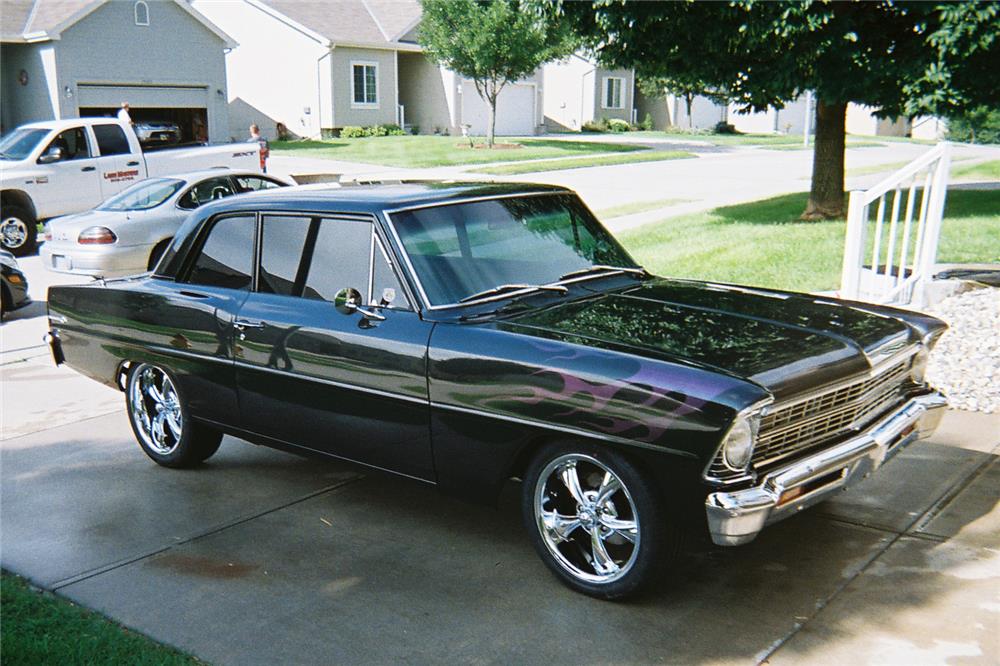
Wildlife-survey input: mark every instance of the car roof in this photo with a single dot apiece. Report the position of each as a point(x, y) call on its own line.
point(377, 197)
point(201, 174)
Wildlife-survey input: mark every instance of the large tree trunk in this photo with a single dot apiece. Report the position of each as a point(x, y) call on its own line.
point(688, 99)
point(826, 197)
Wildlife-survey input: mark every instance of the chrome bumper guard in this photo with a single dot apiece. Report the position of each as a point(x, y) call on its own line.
point(736, 517)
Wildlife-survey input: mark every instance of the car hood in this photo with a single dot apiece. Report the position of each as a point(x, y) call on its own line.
point(788, 343)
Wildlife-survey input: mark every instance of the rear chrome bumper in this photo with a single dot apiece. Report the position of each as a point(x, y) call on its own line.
point(737, 517)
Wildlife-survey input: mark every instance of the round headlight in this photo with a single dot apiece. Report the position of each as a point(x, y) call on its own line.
point(738, 446)
point(918, 367)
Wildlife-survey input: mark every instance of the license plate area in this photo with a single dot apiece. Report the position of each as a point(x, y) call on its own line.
point(61, 262)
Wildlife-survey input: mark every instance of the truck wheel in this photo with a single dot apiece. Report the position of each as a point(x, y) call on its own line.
point(160, 421)
point(595, 520)
point(18, 231)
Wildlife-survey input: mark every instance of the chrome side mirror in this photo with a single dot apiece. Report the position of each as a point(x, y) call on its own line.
point(348, 301)
point(54, 154)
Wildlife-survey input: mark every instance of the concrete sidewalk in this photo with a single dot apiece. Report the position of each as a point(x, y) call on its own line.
point(258, 557)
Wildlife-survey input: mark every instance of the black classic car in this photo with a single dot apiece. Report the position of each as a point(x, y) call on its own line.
point(467, 334)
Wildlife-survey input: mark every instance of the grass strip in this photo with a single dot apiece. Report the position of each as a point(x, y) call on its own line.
point(585, 162)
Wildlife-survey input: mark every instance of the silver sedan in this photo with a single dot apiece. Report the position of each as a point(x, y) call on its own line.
point(129, 232)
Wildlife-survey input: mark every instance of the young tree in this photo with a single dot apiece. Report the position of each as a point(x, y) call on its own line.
point(898, 57)
point(491, 42)
point(657, 87)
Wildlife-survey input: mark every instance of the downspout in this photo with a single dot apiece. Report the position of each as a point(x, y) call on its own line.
point(319, 92)
point(583, 97)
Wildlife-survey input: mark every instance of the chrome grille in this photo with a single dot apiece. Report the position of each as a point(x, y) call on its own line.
point(787, 431)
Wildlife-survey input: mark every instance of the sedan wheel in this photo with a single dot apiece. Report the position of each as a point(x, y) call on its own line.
point(593, 519)
point(160, 422)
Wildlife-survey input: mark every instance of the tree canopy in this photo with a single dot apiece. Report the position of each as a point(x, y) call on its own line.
point(493, 43)
point(901, 58)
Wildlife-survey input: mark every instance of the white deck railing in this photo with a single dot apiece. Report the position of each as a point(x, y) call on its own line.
point(903, 249)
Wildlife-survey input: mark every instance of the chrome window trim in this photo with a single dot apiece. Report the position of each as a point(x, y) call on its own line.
point(425, 300)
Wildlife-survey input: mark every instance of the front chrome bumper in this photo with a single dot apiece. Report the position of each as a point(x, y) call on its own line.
point(737, 517)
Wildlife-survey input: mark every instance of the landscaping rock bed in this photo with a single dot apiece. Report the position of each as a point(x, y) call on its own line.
point(966, 362)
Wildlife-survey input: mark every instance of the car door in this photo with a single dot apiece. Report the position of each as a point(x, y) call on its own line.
point(314, 376)
point(118, 166)
point(191, 318)
point(73, 181)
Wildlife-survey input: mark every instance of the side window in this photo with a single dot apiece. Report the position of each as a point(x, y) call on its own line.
point(283, 268)
point(340, 259)
point(205, 191)
point(386, 289)
point(72, 142)
point(226, 257)
point(253, 183)
point(111, 140)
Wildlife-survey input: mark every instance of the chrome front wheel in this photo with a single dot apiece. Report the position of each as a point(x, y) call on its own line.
point(156, 410)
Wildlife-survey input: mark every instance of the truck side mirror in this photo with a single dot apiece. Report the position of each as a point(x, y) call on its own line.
point(53, 154)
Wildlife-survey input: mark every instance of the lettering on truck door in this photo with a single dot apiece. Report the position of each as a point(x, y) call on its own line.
point(118, 166)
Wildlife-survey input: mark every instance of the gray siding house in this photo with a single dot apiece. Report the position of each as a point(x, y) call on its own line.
point(70, 58)
point(316, 67)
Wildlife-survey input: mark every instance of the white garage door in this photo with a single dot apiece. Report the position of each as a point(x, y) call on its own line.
point(171, 97)
point(515, 110)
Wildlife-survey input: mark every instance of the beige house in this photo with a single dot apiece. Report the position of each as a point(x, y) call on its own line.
point(316, 67)
point(579, 91)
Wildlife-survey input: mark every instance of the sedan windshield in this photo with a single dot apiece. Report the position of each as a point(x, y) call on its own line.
point(144, 195)
point(18, 144)
point(473, 249)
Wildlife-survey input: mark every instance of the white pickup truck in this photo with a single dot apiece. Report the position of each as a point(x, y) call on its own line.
point(60, 167)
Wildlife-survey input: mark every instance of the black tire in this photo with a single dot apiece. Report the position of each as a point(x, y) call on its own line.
point(18, 231)
point(157, 253)
point(639, 562)
point(4, 298)
point(185, 445)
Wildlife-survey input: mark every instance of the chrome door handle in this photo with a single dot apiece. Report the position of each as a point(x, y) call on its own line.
point(132, 164)
point(248, 323)
point(90, 168)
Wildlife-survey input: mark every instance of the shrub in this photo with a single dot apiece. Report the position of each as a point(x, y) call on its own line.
point(352, 132)
point(618, 125)
point(376, 130)
point(647, 122)
point(722, 127)
point(596, 126)
point(414, 130)
point(980, 125)
point(393, 129)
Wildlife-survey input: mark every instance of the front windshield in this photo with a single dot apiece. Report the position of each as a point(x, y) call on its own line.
point(143, 195)
point(18, 144)
point(458, 250)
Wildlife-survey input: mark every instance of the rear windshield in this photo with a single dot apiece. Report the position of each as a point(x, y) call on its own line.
point(143, 195)
point(18, 144)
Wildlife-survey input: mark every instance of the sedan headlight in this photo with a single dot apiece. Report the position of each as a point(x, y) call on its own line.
point(737, 447)
point(918, 367)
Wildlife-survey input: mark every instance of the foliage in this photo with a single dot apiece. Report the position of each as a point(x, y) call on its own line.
point(599, 125)
point(618, 125)
point(722, 127)
point(492, 43)
point(39, 628)
point(355, 132)
point(647, 123)
point(898, 57)
point(979, 125)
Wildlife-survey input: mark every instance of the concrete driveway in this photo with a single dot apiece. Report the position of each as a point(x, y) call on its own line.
point(260, 557)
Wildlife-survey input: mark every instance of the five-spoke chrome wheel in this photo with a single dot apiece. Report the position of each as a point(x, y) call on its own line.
point(587, 518)
point(156, 409)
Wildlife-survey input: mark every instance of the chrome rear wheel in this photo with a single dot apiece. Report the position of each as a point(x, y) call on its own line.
point(156, 410)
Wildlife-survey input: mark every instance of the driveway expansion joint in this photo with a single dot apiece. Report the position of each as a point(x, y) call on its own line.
point(92, 573)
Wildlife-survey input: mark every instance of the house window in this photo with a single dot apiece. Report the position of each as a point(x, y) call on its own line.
point(364, 83)
point(613, 92)
point(141, 13)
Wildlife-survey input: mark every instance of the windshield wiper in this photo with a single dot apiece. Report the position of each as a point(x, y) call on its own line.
point(503, 288)
point(602, 268)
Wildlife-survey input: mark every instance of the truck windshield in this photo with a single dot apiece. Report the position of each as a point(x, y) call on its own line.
point(143, 196)
point(461, 250)
point(18, 144)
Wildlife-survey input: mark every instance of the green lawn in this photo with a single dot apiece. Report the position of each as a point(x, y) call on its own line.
point(584, 162)
point(39, 628)
point(776, 141)
point(984, 170)
point(431, 151)
point(637, 207)
point(764, 243)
